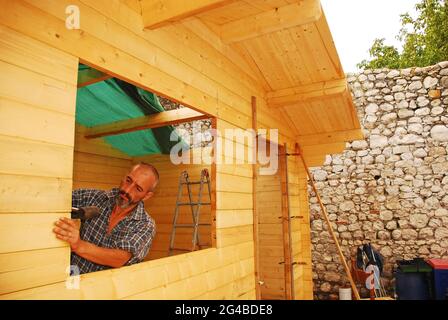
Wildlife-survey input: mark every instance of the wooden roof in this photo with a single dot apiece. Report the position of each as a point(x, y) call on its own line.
point(289, 45)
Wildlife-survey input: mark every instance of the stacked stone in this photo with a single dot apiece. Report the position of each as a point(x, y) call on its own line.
point(191, 132)
point(390, 189)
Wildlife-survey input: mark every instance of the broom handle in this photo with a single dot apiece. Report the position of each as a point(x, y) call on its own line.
point(341, 256)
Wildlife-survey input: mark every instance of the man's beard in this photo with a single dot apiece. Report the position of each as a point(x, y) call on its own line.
point(122, 203)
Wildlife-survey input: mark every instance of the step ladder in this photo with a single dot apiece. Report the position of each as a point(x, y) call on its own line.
point(195, 208)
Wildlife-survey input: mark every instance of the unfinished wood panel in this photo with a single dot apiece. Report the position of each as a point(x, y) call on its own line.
point(233, 11)
point(335, 115)
point(27, 157)
point(122, 14)
point(19, 270)
point(195, 52)
point(96, 164)
point(233, 218)
point(28, 231)
point(289, 96)
point(270, 237)
point(138, 53)
point(300, 233)
point(47, 126)
point(41, 90)
point(185, 274)
point(124, 23)
point(112, 40)
point(34, 194)
point(206, 34)
point(97, 175)
point(37, 99)
point(271, 20)
point(160, 13)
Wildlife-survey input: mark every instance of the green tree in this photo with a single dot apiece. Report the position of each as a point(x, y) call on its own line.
point(425, 39)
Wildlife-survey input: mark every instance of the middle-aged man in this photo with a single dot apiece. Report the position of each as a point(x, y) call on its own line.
point(122, 233)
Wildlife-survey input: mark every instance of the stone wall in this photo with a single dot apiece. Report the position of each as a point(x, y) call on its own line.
point(195, 133)
point(390, 189)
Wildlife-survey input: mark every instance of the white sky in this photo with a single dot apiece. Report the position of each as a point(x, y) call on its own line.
point(354, 25)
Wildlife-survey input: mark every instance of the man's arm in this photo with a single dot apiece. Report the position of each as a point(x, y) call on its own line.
point(85, 197)
point(66, 230)
point(104, 256)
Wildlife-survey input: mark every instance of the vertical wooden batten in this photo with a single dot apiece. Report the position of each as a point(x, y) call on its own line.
point(254, 198)
point(283, 169)
point(213, 175)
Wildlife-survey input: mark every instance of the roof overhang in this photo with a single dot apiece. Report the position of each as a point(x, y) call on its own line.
point(288, 44)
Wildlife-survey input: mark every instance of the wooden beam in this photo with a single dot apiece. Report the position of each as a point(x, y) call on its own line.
point(254, 202)
point(330, 137)
point(303, 12)
point(157, 120)
point(91, 76)
point(157, 13)
point(134, 5)
point(317, 90)
point(286, 222)
point(323, 149)
point(315, 154)
point(315, 161)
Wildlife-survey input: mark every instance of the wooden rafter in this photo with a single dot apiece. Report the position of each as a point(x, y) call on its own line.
point(315, 161)
point(157, 13)
point(323, 149)
point(157, 120)
point(330, 137)
point(291, 96)
point(303, 12)
point(91, 76)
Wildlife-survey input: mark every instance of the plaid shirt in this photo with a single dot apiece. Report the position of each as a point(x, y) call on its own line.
point(134, 233)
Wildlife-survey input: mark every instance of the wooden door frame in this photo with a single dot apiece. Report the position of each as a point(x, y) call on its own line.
point(282, 172)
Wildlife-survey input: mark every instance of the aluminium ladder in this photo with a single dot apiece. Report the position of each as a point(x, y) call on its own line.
point(195, 208)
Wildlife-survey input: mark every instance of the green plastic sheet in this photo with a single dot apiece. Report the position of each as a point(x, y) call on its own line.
point(114, 100)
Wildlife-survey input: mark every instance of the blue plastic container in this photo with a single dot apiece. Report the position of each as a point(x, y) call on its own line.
point(413, 285)
point(440, 274)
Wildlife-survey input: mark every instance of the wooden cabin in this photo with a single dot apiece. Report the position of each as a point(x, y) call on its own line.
point(261, 64)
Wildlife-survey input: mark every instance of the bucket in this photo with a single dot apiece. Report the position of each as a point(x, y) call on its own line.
point(345, 293)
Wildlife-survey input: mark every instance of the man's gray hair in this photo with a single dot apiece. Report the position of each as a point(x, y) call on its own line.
point(153, 170)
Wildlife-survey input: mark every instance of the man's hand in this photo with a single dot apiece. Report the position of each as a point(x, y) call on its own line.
point(67, 230)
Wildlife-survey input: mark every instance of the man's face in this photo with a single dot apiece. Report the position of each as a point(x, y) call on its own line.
point(135, 186)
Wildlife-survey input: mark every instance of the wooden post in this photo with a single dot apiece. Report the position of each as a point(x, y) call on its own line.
point(254, 199)
point(213, 175)
point(283, 168)
point(330, 228)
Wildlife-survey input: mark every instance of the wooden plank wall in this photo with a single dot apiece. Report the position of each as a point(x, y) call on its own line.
point(37, 107)
point(186, 62)
point(162, 205)
point(96, 164)
point(300, 228)
point(270, 238)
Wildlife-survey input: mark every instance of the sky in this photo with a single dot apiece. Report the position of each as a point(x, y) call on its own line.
point(355, 24)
